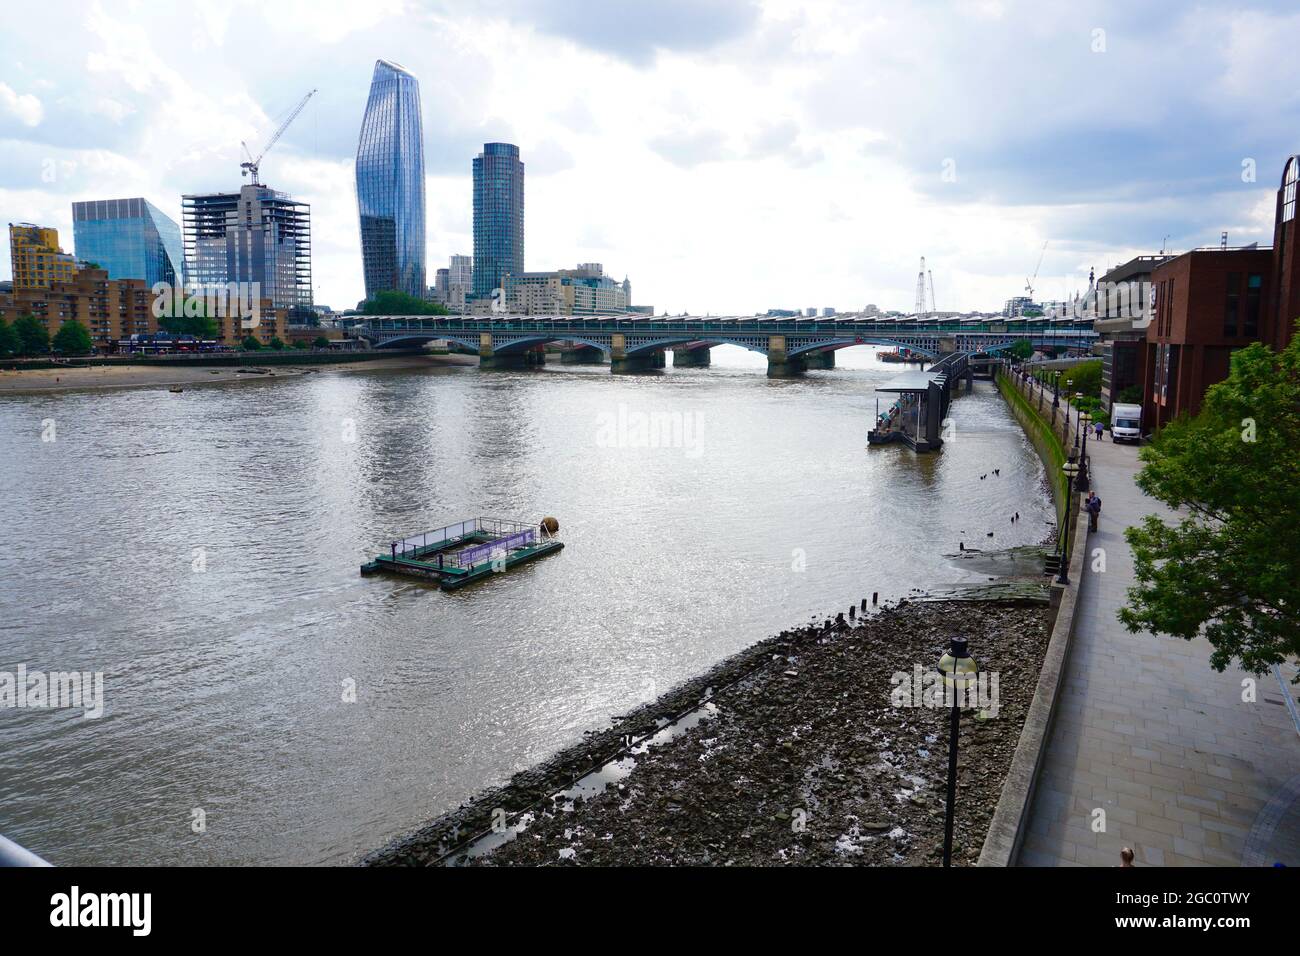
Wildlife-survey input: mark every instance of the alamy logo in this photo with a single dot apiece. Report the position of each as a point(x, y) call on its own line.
point(55, 689)
point(234, 299)
point(927, 688)
point(103, 909)
point(626, 428)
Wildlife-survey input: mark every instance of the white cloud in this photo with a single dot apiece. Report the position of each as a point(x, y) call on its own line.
point(25, 107)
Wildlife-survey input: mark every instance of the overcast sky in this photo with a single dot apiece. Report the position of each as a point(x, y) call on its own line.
point(727, 156)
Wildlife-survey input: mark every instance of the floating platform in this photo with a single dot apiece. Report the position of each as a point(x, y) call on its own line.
point(467, 551)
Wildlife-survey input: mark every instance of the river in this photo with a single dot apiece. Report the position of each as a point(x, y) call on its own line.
point(201, 550)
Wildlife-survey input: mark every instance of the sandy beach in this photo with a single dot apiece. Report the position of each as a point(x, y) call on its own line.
point(28, 381)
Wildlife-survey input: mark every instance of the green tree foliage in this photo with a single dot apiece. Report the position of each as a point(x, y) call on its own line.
point(199, 326)
point(1021, 350)
point(321, 342)
point(9, 343)
point(277, 343)
point(399, 303)
point(250, 344)
point(73, 338)
point(1230, 568)
point(1085, 377)
point(32, 337)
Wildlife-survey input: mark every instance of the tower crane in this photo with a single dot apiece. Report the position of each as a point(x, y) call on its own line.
point(1029, 283)
point(250, 166)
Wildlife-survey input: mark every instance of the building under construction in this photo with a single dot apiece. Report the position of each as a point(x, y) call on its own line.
point(255, 235)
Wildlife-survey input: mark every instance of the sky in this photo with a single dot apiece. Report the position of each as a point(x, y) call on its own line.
point(727, 156)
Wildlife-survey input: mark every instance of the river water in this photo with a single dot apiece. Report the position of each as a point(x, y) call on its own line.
point(201, 550)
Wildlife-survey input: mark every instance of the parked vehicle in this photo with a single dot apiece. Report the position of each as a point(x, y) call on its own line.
point(1126, 422)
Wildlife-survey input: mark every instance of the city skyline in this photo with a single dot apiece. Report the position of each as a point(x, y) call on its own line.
point(810, 133)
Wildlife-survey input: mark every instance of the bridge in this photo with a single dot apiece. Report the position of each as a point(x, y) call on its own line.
point(632, 343)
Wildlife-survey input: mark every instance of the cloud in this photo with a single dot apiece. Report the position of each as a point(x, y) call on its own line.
point(635, 30)
point(24, 107)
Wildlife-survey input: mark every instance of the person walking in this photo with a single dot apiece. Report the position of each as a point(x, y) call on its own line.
point(1093, 507)
point(1098, 428)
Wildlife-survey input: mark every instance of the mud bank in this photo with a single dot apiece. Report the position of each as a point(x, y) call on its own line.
point(800, 758)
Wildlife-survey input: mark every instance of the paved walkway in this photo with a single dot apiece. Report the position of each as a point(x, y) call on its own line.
point(1186, 772)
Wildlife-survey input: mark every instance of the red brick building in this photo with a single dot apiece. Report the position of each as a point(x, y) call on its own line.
point(1211, 302)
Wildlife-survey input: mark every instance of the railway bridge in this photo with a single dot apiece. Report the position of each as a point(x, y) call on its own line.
point(641, 343)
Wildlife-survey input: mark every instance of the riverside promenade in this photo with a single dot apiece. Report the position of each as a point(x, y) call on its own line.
point(1187, 773)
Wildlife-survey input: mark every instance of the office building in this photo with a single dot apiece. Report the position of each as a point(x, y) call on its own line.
point(37, 258)
point(390, 184)
point(129, 239)
point(1123, 312)
point(1211, 302)
point(256, 235)
point(498, 217)
point(585, 290)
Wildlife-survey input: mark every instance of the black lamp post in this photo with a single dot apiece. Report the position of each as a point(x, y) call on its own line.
point(1071, 469)
point(1084, 420)
point(958, 669)
point(1056, 390)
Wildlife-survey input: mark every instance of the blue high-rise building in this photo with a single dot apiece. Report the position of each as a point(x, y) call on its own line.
point(390, 184)
point(498, 217)
point(131, 238)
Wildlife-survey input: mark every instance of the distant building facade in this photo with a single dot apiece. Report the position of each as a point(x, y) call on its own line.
point(256, 235)
point(498, 217)
point(37, 258)
point(1123, 312)
point(585, 290)
point(390, 184)
point(129, 239)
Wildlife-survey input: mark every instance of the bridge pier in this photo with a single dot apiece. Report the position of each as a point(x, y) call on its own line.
point(700, 357)
point(646, 361)
point(490, 358)
point(780, 363)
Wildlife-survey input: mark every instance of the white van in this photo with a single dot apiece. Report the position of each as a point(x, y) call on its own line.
point(1126, 422)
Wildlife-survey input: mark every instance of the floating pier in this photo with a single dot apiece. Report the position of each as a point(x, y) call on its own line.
point(467, 551)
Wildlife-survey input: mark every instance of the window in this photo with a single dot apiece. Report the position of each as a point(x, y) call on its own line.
point(1254, 291)
point(1289, 177)
point(1232, 307)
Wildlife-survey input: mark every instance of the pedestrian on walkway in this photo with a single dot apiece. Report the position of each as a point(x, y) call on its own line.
point(1126, 857)
point(1099, 428)
point(1093, 507)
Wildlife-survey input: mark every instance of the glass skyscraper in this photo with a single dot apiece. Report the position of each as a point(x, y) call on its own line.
point(131, 238)
point(498, 217)
point(390, 184)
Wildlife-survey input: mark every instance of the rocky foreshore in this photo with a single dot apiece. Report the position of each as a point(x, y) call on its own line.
point(795, 755)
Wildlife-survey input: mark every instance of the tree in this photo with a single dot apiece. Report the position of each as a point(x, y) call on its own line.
point(1021, 350)
point(250, 344)
point(32, 337)
point(277, 343)
point(9, 343)
point(301, 344)
point(1231, 567)
point(73, 338)
point(321, 342)
point(199, 326)
point(399, 303)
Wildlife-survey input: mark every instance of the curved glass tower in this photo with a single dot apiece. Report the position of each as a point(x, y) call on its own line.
point(390, 184)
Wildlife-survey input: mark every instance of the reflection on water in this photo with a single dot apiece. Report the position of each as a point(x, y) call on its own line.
point(202, 550)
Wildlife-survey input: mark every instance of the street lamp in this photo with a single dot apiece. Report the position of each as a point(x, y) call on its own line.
point(1071, 469)
point(1056, 390)
point(1084, 420)
point(958, 669)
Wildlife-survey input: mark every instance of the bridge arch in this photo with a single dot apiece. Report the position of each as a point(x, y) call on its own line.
point(640, 348)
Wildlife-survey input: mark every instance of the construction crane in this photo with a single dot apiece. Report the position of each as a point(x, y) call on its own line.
point(250, 166)
point(920, 289)
point(1029, 283)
